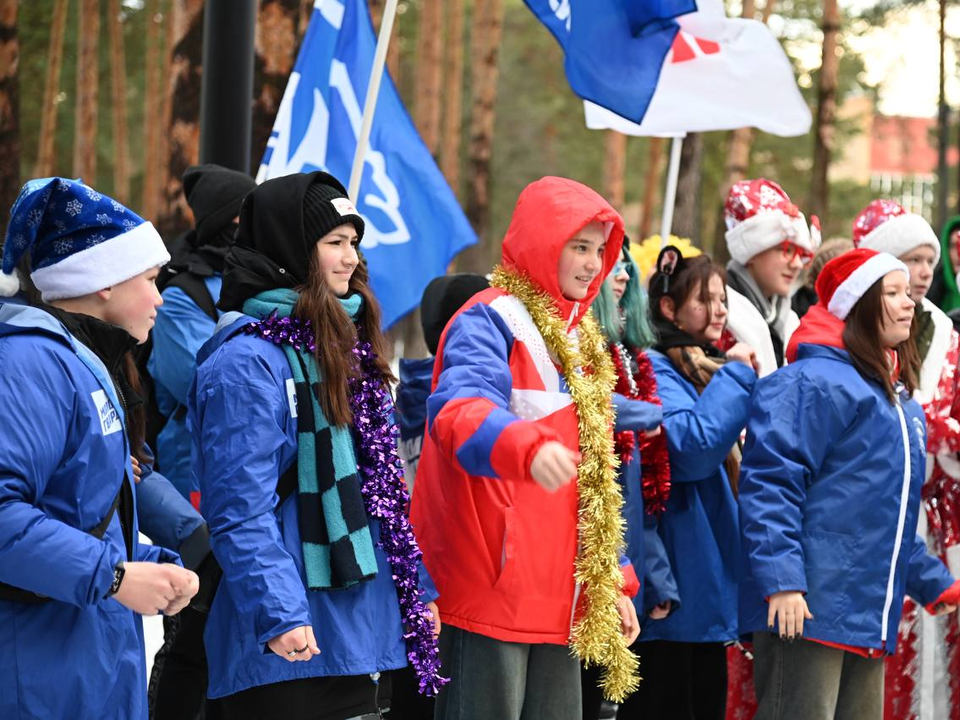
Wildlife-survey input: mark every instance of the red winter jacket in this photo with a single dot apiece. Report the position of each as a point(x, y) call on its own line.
point(501, 549)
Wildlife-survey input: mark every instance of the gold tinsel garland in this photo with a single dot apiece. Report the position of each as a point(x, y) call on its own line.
point(596, 638)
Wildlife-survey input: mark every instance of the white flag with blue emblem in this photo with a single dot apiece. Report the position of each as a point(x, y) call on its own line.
point(414, 224)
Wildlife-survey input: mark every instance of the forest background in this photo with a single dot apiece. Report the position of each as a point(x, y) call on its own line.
point(109, 90)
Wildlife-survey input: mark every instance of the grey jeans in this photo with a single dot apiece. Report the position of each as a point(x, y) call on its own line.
point(804, 680)
point(495, 680)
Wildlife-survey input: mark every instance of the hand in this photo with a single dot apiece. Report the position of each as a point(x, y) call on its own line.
point(629, 624)
point(554, 466)
point(944, 609)
point(653, 432)
point(432, 607)
point(295, 645)
point(185, 592)
point(659, 612)
point(789, 609)
point(137, 470)
point(150, 588)
point(741, 352)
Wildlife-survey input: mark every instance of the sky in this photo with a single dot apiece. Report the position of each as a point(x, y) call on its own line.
point(903, 58)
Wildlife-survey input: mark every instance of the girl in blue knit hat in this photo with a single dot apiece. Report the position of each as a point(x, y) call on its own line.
point(74, 578)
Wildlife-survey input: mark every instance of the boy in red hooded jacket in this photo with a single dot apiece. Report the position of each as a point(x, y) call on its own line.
point(495, 505)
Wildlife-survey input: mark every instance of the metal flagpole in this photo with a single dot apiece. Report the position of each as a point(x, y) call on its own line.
point(670, 194)
point(370, 104)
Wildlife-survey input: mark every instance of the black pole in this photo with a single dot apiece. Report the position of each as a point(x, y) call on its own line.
point(226, 96)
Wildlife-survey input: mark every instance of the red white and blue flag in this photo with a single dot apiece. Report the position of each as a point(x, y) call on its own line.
point(613, 49)
point(702, 70)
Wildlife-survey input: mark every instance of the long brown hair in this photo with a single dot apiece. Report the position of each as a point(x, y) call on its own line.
point(861, 336)
point(335, 335)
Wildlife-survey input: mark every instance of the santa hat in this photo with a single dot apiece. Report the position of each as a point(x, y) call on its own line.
point(759, 216)
point(79, 240)
point(885, 226)
point(845, 279)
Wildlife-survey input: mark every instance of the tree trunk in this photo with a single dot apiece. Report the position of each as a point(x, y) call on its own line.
point(118, 85)
point(51, 89)
point(276, 47)
point(486, 25)
point(826, 113)
point(651, 183)
point(614, 167)
point(453, 92)
point(152, 129)
point(686, 216)
point(429, 73)
point(393, 50)
point(306, 12)
point(166, 101)
point(88, 84)
point(9, 110)
point(738, 153)
point(184, 129)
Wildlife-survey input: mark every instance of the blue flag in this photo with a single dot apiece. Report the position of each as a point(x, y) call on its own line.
point(414, 224)
point(614, 49)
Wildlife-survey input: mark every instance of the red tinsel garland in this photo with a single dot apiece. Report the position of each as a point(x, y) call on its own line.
point(655, 460)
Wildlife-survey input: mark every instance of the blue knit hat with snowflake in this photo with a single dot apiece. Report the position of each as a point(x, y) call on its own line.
point(80, 241)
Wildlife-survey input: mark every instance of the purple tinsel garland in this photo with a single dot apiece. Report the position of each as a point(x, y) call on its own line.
point(384, 489)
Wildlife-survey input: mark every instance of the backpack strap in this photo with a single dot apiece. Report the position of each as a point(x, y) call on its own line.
point(196, 289)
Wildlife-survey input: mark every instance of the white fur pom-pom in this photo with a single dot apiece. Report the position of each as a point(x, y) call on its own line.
point(9, 284)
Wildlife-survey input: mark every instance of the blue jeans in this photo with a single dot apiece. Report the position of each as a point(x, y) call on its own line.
point(507, 681)
point(804, 680)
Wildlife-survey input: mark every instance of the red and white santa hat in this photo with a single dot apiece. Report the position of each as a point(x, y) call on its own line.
point(886, 226)
point(845, 279)
point(759, 216)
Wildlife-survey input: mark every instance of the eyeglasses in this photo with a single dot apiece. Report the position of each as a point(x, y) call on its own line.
point(618, 267)
point(791, 250)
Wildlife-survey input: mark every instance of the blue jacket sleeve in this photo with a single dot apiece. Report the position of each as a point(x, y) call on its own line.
point(157, 554)
point(467, 413)
point(701, 432)
point(786, 446)
point(180, 329)
point(164, 514)
point(635, 415)
point(659, 583)
point(37, 552)
point(241, 416)
point(927, 576)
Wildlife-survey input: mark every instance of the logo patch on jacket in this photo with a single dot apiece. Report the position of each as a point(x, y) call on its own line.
point(109, 417)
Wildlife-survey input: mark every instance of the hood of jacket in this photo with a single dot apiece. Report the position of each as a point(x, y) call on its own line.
point(548, 213)
point(271, 249)
point(817, 327)
point(951, 293)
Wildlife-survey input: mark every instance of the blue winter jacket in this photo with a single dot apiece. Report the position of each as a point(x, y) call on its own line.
point(829, 501)
point(180, 330)
point(245, 437)
point(699, 528)
point(165, 516)
point(412, 393)
point(63, 455)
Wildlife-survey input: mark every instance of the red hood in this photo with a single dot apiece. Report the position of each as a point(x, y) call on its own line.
point(817, 327)
point(549, 212)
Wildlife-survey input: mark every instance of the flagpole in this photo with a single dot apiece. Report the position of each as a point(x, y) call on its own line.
point(370, 104)
point(670, 194)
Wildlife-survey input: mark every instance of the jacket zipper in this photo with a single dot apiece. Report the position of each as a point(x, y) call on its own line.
point(901, 522)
